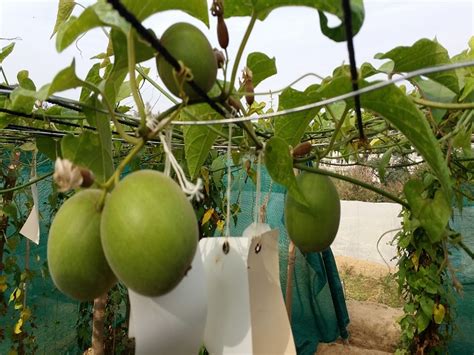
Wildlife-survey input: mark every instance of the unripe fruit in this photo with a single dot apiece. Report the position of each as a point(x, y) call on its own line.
point(149, 232)
point(75, 257)
point(313, 228)
point(187, 44)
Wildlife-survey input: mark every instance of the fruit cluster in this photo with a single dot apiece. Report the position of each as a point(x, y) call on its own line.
point(146, 236)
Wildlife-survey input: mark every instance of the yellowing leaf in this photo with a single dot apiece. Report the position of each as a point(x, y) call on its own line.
point(65, 8)
point(207, 216)
point(438, 313)
point(415, 261)
point(25, 314)
point(18, 326)
point(220, 225)
point(15, 294)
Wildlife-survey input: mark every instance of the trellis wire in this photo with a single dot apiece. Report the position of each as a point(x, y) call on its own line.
point(379, 85)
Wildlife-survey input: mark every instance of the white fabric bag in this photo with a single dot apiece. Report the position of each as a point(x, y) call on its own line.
point(173, 323)
point(246, 312)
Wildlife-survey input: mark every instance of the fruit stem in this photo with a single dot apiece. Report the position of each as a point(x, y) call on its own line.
point(140, 70)
point(114, 179)
point(336, 130)
point(240, 52)
point(31, 182)
point(128, 159)
point(444, 105)
point(133, 82)
point(353, 181)
point(118, 126)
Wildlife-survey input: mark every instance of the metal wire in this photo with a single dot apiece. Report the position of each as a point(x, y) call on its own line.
point(379, 85)
point(367, 89)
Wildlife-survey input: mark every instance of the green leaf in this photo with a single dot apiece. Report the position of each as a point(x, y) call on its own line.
point(115, 77)
point(82, 150)
point(93, 77)
point(65, 8)
point(462, 139)
point(125, 89)
point(101, 121)
point(433, 214)
point(144, 9)
point(465, 56)
point(6, 51)
point(422, 321)
point(422, 54)
point(218, 169)
point(66, 79)
point(263, 8)
point(338, 33)
point(198, 140)
point(291, 127)
point(279, 163)
point(367, 70)
point(102, 14)
point(24, 97)
point(434, 91)
point(262, 66)
point(467, 89)
point(28, 146)
point(384, 162)
point(392, 104)
point(49, 146)
point(427, 305)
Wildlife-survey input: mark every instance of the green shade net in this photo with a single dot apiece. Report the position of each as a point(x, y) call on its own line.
point(55, 315)
point(463, 336)
point(319, 312)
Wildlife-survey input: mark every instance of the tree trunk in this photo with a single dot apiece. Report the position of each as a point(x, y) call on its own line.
point(98, 319)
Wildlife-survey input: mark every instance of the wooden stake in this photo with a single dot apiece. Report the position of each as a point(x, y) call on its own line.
point(289, 278)
point(98, 319)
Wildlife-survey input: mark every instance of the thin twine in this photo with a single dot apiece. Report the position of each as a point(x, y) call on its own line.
point(190, 189)
point(27, 251)
point(167, 170)
point(229, 182)
point(256, 213)
point(376, 86)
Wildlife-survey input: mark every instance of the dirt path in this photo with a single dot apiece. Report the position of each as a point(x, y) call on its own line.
point(373, 328)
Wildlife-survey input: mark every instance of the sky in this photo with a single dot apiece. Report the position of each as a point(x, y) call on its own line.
point(290, 34)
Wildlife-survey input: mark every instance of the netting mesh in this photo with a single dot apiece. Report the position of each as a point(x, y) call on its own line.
point(55, 315)
point(463, 340)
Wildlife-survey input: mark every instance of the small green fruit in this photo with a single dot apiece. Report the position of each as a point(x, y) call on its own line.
point(313, 228)
point(149, 232)
point(188, 44)
point(75, 257)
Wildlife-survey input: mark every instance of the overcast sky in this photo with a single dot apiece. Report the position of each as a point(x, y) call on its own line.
point(290, 34)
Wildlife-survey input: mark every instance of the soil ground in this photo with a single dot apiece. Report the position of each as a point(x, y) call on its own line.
point(373, 305)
